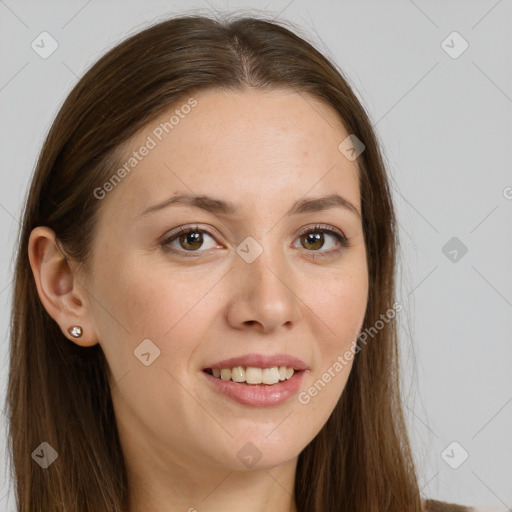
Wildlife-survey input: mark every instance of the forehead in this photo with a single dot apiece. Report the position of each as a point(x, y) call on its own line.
point(251, 147)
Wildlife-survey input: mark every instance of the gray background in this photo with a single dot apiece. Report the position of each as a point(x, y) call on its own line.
point(445, 125)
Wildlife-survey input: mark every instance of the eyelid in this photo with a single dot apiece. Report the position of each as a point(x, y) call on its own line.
point(322, 227)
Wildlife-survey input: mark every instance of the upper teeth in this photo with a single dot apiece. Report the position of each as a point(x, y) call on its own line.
point(253, 375)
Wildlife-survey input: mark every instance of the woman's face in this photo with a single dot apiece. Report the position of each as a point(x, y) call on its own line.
point(167, 306)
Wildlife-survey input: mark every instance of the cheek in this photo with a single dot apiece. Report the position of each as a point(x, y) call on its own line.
point(148, 302)
point(147, 298)
point(136, 301)
point(340, 303)
point(173, 307)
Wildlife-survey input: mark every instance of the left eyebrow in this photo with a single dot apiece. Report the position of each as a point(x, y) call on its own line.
point(215, 205)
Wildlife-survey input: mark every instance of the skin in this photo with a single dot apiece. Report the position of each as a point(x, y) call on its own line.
point(179, 436)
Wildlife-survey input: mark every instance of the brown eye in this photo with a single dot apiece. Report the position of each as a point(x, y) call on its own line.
point(313, 239)
point(188, 240)
point(191, 240)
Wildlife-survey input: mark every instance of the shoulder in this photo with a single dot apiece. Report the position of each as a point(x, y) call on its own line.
point(442, 506)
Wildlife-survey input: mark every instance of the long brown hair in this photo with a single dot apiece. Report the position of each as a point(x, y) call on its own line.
point(58, 392)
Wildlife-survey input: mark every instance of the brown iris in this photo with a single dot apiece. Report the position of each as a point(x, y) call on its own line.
point(191, 240)
point(315, 241)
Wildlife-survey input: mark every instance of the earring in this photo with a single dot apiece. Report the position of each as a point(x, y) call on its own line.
point(75, 331)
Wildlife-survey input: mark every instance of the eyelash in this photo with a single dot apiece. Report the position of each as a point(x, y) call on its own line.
point(342, 240)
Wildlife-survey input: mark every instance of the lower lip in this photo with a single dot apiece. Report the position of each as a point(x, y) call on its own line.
point(257, 395)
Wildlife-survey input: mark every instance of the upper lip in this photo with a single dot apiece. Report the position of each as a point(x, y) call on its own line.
point(261, 361)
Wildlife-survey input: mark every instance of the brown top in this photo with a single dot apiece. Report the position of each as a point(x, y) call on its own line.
point(442, 506)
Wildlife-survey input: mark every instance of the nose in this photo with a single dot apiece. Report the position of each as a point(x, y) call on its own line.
point(264, 295)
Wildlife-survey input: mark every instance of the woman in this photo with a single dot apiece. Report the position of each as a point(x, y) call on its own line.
point(208, 233)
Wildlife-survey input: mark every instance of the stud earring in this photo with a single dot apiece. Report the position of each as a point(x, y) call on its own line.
point(75, 331)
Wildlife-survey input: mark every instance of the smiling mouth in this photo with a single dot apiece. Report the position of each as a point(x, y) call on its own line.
point(253, 376)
